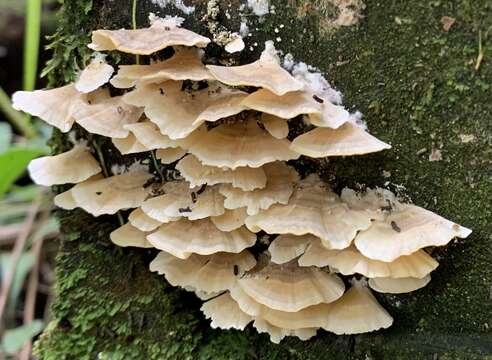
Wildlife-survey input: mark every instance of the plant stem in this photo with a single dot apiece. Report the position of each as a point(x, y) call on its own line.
point(20, 122)
point(157, 168)
point(134, 24)
point(31, 43)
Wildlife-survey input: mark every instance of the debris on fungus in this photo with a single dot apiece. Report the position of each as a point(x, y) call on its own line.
point(224, 132)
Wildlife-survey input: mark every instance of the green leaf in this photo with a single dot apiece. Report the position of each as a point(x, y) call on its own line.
point(5, 136)
point(14, 339)
point(13, 162)
point(24, 265)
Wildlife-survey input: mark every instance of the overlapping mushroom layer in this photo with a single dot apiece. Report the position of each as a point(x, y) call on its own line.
point(225, 130)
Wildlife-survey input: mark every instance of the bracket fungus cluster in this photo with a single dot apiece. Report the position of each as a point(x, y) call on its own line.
point(225, 130)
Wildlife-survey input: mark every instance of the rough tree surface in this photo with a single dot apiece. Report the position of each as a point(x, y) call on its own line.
point(419, 90)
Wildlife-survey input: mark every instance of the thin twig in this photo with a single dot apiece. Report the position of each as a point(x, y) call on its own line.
point(17, 252)
point(8, 233)
point(31, 293)
point(157, 167)
point(101, 159)
point(480, 51)
point(19, 121)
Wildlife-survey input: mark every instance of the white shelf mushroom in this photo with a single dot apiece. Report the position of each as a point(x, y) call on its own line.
point(128, 235)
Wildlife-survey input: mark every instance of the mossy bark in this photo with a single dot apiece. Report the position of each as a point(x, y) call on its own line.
point(419, 90)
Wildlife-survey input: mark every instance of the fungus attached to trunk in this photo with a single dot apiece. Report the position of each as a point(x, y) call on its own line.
point(220, 133)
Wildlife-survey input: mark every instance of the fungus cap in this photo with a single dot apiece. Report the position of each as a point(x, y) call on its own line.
point(129, 145)
point(279, 187)
point(65, 200)
point(263, 73)
point(405, 231)
point(350, 261)
point(185, 64)
point(398, 286)
point(230, 220)
point(107, 117)
point(54, 106)
point(139, 219)
point(291, 288)
point(277, 127)
point(209, 274)
point(225, 314)
point(312, 209)
point(147, 134)
point(95, 75)
point(72, 166)
point(184, 237)
point(239, 144)
point(197, 174)
point(170, 155)
point(128, 235)
point(145, 41)
point(109, 195)
point(179, 112)
point(356, 312)
point(347, 140)
point(287, 247)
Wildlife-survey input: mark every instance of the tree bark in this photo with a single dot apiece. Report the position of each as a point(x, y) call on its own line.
point(420, 88)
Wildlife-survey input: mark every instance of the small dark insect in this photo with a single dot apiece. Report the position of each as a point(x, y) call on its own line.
point(260, 125)
point(395, 227)
point(98, 193)
point(161, 90)
point(387, 207)
point(236, 270)
point(318, 99)
point(193, 197)
point(202, 189)
point(184, 210)
point(120, 110)
point(89, 102)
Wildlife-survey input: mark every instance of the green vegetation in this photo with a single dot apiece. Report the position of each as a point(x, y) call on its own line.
point(419, 90)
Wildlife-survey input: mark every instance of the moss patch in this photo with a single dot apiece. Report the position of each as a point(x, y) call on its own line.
point(419, 91)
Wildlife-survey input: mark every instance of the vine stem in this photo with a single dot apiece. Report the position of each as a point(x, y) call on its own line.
point(134, 24)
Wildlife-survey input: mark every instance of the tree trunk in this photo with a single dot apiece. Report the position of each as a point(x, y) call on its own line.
point(421, 88)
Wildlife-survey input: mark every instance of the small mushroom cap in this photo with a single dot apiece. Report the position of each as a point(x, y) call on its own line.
point(291, 288)
point(350, 261)
point(109, 195)
point(179, 112)
point(147, 134)
point(405, 231)
point(184, 237)
point(279, 188)
point(346, 140)
point(139, 219)
point(185, 64)
point(356, 312)
point(95, 75)
point(332, 116)
point(197, 174)
point(65, 200)
point(398, 286)
point(179, 201)
point(287, 106)
point(263, 73)
point(235, 45)
point(239, 144)
point(169, 155)
point(312, 209)
point(107, 117)
point(145, 41)
point(128, 235)
point(287, 247)
point(225, 314)
point(230, 220)
point(209, 274)
point(277, 127)
point(129, 145)
point(72, 166)
point(277, 334)
point(54, 106)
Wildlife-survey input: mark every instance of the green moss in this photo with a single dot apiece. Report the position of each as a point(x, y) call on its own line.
point(418, 89)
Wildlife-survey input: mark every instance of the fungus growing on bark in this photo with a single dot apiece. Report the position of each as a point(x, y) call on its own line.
point(236, 180)
point(73, 166)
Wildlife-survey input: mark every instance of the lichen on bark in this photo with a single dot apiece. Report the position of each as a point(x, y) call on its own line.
point(418, 88)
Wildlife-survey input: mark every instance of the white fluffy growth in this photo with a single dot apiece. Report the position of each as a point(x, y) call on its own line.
point(179, 4)
point(168, 21)
point(259, 7)
point(244, 29)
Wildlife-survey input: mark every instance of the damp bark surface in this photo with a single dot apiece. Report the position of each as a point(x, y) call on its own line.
point(422, 89)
